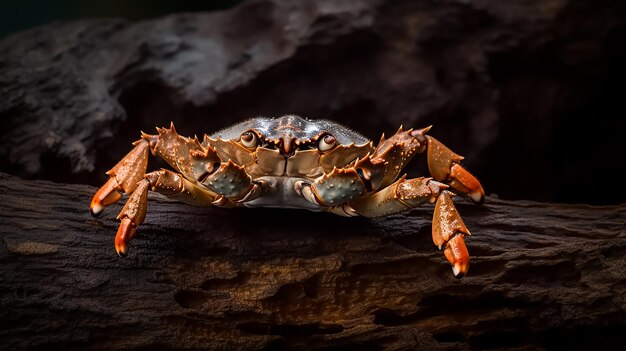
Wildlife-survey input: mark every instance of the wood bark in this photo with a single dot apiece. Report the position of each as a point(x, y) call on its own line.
point(542, 276)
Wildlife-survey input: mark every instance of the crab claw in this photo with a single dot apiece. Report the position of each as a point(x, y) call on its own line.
point(125, 232)
point(108, 194)
point(132, 215)
point(258, 188)
point(303, 189)
point(456, 252)
point(123, 177)
point(444, 165)
point(448, 233)
point(465, 182)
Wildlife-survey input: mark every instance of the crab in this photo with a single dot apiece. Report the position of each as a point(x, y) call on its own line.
point(292, 162)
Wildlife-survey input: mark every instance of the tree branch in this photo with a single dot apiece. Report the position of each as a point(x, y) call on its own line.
point(541, 274)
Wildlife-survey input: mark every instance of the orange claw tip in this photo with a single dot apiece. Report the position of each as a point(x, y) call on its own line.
point(120, 247)
point(121, 250)
point(96, 209)
point(456, 253)
point(477, 196)
point(458, 270)
point(125, 232)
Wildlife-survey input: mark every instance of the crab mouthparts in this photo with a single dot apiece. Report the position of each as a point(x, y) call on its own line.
point(286, 146)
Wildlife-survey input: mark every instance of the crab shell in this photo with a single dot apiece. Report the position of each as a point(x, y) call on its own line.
point(288, 146)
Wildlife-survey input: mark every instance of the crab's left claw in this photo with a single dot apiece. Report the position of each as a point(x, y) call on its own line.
point(449, 232)
point(444, 166)
point(124, 177)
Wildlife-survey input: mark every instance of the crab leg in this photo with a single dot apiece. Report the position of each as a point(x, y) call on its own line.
point(449, 232)
point(381, 168)
point(385, 164)
point(400, 196)
point(194, 161)
point(175, 186)
point(166, 182)
point(448, 228)
point(202, 164)
point(203, 180)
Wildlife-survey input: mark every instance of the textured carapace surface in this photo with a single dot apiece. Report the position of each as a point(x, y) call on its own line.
point(302, 130)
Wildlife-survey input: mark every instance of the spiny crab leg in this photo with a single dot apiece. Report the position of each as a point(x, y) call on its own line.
point(203, 180)
point(404, 194)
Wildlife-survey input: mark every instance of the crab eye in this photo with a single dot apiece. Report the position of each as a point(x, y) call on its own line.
point(327, 142)
point(249, 139)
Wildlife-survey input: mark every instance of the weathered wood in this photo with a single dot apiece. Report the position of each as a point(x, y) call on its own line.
point(546, 275)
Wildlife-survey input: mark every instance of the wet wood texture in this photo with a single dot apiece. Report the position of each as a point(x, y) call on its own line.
point(542, 275)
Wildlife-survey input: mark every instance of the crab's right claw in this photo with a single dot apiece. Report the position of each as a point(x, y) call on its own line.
point(449, 232)
point(444, 166)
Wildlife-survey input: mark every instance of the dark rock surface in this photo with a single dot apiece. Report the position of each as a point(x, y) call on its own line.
point(527, 91)
point(542, 276)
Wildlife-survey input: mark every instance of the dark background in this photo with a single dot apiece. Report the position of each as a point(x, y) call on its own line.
point(531, 94)
point(21, 15)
